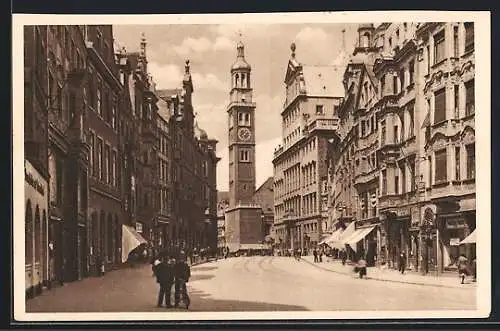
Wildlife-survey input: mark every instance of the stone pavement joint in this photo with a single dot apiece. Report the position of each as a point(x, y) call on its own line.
point(444, 281)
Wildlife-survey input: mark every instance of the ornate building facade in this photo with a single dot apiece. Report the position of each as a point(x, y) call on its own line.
point(313, 94)
point(403, 159)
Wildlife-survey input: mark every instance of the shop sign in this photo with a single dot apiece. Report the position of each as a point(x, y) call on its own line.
point(454, 241)
point(138, 227)
point(34, 179)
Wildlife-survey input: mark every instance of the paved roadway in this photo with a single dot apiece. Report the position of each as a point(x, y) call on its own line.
point(251, 284)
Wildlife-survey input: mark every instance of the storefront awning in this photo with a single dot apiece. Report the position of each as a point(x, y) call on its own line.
point(131, 239)
point(333, 238)
point(358, 235)
point(470, 239)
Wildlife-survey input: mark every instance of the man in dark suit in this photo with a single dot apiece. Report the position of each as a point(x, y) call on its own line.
point(182, 274)
point(164, 272)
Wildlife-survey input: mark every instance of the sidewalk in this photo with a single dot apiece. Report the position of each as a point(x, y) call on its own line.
point(390, 275)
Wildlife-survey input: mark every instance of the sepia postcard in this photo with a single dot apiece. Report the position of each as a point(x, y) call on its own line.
point(251, 166)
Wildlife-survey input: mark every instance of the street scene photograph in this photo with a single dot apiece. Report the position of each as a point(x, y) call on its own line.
point(245, 166)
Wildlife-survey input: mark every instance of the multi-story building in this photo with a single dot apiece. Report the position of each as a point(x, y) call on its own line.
point(313, 94)
point(383, 158)
point(68, 151)
point(264, 197)
point(447, 145)
point(164, 216)
point(105, 200)
point(193, 171)
point(36, 102)
point(222, 204)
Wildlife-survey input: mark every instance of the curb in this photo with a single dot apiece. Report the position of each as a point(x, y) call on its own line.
point(386, 280)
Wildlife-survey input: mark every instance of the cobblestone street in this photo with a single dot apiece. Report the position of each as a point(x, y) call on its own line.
point(252, 284)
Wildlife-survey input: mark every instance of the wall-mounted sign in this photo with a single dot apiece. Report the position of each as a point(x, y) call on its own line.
point(454, 241)
point(34, 179)
point(138, 227)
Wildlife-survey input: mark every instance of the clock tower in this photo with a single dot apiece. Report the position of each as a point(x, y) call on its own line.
point(241, 121)
point(243, 223)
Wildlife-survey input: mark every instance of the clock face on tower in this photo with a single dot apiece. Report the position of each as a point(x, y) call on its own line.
point(244, 134)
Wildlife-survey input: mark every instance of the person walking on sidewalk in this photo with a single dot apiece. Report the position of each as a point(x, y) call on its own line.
point(361, 267)
point(343, 254)
point(402, 262)
point(462, 268)
point(163, 270)
point(182, 274)
point(315, 253)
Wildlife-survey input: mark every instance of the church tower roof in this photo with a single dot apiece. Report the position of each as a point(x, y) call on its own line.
point(240, 63)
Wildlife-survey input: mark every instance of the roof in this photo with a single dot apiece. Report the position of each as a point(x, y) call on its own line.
point(168, 93)
point(324, 80)
point(267, 182)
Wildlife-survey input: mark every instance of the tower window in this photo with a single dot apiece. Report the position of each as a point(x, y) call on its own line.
point(244, 119)
point(244, 156)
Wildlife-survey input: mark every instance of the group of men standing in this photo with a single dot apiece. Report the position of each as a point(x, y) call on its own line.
point(172, 270)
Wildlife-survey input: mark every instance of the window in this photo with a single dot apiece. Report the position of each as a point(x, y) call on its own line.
point(455, 41)
point(469, 98)
point(362, 128)
point(396, 135)
point(430, 171)
point(403, 179)
point(319, 110)
point(439, 47)
point(412, 72)
point(441, 173)
point(411, 115)
point(439, 106)
point(113, 169)
point(244, 156)
point(457, 163)
point(382, 86)
point(413, 183)
point(146, 199)
point(469, 36)
point(99, 158)
point(231, 121)
point(107, 162)
point(244, 119)
point(99, 106)
point(113, 115)
point(402, 118)
point(91, 154)
point(428, 52)
point(396, 183)
point(383, 132)
point(456, 93)
point(471, 161)
point(395, 84)
point(59, 180)
point(384, 182)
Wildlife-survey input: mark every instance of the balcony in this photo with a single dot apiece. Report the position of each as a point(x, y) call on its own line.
point(323, 125)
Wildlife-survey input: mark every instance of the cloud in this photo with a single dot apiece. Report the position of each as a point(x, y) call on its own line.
point(312, 35)
point(166, 76)
point(208, 81)
point(192, 45)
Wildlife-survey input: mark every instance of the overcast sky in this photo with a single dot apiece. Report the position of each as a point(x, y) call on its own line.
point(211, 50)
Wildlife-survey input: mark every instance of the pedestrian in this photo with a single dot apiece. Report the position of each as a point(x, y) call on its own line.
point(315, 253)
point(474, 270)
point(344, 256)
point(182, 273)
point(163, 269)
point(321, 255)
point(462, 268)
point(361, 267)
point(402, 262)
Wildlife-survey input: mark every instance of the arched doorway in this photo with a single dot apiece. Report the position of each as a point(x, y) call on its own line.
point(28, 248)
point(38, 251)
